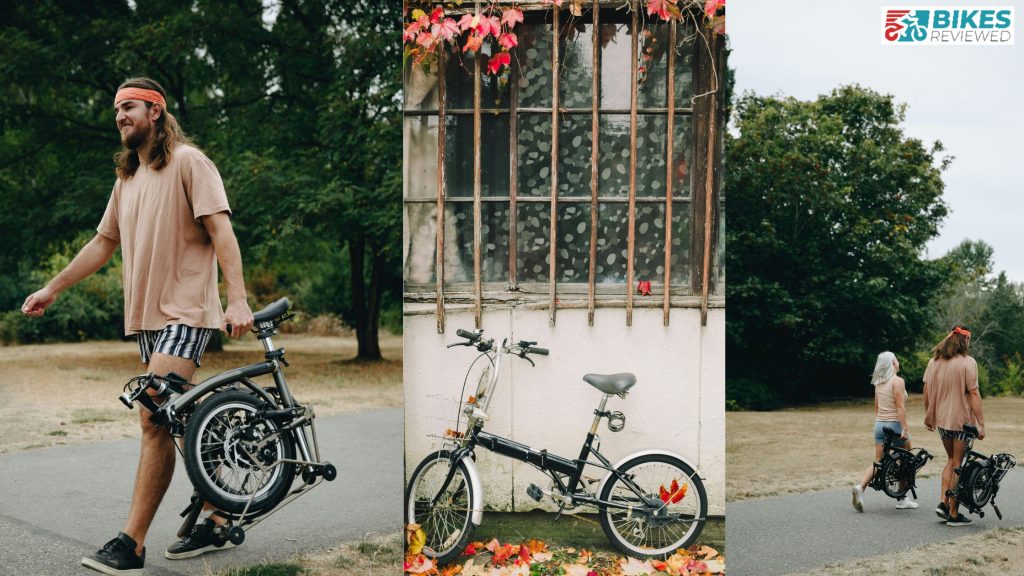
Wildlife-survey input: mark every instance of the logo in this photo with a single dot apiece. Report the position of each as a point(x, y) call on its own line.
point(911, 25)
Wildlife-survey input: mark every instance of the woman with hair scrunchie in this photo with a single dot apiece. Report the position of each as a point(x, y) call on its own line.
point(890, 412)
point(952, 399)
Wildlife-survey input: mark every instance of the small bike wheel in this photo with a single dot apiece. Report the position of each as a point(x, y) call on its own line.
point(977, 484)
point(894, 475)
point(445, 515)
point(653, 505)
point(224, 459)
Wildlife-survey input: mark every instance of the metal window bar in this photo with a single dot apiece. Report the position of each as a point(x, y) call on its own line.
point(513, 174)
point(553, 268)
point(439, 255)
point(631, 232)
point(477, 190)
point(669, 165)
point(595, 118)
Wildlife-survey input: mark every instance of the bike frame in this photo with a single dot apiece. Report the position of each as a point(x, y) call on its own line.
point(553, 465)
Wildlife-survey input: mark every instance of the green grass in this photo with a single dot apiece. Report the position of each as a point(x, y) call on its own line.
point(93, 415)
point(57, 433)
point(267, 570)
point(579, 531)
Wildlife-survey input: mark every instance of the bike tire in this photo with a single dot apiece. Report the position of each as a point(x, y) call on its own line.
point(214, 458)
point(893, 474)
point(448, 523)
point(977, 483)
point(651, 473)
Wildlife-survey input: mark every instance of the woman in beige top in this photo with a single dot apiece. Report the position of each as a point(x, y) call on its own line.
point(890, 412)
point(952, 399)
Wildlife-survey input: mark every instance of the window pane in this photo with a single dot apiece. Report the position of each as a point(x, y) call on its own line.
point(575, 137)
point(616, 54)
point(612, 237)
point(653, 81)
point(682, 152)
point(573, 242)
point(494, 135)
point(494, 233)
point(421, 242)
point(686, 36)
point(651, 147)
point(614, 155)
point(681, 247)
point(458, 242)
point(419, 88)
point(576, 61)
point(649, 248)
point(420, 179)
point(532, 240)
point(534, 151)
point(534, 57)
point(459, 72)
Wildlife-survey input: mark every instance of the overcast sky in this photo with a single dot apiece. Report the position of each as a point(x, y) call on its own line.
point(971, 98)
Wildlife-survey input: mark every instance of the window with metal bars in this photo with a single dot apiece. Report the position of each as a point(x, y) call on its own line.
point(509, 197)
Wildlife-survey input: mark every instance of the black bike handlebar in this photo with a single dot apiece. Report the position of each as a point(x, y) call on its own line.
point(471, 336)
point(541, 351)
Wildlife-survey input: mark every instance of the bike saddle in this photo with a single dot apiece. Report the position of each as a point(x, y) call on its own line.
point(611, 383)
point(271, 312)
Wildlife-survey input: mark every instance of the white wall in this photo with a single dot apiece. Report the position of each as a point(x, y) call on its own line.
point(678, 402)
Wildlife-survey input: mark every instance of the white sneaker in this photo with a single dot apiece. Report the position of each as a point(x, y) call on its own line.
point(906, 504)
point(858, 498)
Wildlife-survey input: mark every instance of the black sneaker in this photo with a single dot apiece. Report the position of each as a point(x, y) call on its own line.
point(117, 557)
point(942, 511)
point(200, 541)
point(960, 520)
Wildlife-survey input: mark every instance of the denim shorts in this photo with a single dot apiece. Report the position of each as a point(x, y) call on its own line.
point(174, 340)
point(896, 426)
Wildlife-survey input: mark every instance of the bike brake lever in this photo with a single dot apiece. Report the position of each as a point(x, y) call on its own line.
point(527, 358)
point(459, 344)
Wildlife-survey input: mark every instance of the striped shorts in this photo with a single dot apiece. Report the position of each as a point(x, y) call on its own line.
point(953, 435)
point(174, 340)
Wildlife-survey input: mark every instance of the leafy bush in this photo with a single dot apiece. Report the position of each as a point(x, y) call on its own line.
point(747, 394)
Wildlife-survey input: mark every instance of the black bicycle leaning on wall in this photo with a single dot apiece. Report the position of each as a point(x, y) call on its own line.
point(896, 471)
point(651, 502)
point(979, 476)
point(240, 439)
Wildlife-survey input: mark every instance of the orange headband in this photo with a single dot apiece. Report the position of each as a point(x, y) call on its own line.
point(961, 331)
point(140, 94)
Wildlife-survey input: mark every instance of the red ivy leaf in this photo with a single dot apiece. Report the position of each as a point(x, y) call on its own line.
point(497, 61)
point(659, 8)
point(644, 287)
point(508, 40)
point(447, 28)
point(674, 494)
point(436, 14)
point(511, 16)
point(711, 6)
point(473, 43)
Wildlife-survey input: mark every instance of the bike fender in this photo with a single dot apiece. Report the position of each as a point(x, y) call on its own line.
point(625, 459)
point(478, 489)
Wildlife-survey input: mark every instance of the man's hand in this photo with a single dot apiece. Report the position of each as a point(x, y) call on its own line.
point(35, 305)
point(981, 431)
point(239, 317)
point(903, 434)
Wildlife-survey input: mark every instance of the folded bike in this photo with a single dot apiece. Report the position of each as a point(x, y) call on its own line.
point(896, 471)
point(650, 503)
point(979, 476)
point(239, 438)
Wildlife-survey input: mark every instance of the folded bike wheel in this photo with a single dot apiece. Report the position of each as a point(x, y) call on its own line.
point(230, 452)
point(659, 506)
point(977, 483)
point(897, 476)
point(444, 515)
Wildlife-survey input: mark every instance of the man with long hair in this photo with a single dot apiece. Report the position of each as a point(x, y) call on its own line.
point(169, 214)
point(952, 399)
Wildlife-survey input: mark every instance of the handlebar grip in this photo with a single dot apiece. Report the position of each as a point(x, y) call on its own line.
point(467, 334)
point(541, 351)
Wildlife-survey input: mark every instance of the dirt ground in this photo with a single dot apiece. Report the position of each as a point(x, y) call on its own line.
point(830, 446)
point(52, 394)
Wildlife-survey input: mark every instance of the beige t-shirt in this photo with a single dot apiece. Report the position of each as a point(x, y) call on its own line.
point(885, 395)
point(946, 386)
point(170, 270)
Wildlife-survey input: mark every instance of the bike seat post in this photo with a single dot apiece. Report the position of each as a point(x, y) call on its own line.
point(599, 413)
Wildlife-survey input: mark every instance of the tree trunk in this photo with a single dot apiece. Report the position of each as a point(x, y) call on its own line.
point(362, 303)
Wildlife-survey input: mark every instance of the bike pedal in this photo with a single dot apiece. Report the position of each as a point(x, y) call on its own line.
point(534, 491)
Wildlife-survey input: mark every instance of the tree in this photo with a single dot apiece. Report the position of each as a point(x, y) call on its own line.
point(831, 208)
